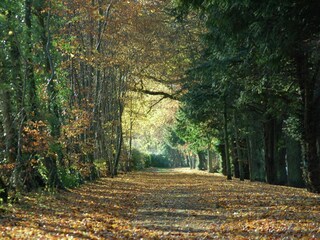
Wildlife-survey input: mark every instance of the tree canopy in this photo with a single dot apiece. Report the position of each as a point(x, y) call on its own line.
point(97, 87)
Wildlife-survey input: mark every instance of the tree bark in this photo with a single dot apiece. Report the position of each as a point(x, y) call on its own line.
point(202, 160)
point(269, 153)
point(3, 191)
point(210, 159)
point(226, 140)
point(294, 161)
point(235, 158)
point(237, 145)
point(119, 138)
point(280, 154)
point(222, 149)
point(274, 152)
point(43, 13)
point(30, 78)
point(255, 146)
point(8, 125)
point(311, 118)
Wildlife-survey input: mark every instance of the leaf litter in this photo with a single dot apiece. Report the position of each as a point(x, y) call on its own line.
point(171, 204)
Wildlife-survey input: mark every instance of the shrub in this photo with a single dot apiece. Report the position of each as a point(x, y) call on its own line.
point(139, 160)
point(70, 178)
point(160, 161)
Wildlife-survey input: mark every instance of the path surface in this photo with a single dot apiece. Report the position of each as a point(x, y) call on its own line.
point(171, 204)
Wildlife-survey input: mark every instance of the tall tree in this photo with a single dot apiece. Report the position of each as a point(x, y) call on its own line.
point(285, 51)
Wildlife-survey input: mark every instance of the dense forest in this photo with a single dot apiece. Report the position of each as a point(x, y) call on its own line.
point(255, 88)
point(73, 79)
point(92, 87)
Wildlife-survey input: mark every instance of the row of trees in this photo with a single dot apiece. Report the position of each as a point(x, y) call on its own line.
point(255, 88)
point(70, 76)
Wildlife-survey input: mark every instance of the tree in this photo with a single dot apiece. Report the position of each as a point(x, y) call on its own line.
point(234, 29)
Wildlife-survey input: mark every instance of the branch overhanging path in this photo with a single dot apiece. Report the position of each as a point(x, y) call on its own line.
point(166, 204)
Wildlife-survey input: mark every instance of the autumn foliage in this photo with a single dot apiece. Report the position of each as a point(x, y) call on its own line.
point(91, 89)
point(36, 138)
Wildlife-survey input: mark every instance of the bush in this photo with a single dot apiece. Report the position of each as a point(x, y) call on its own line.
point(3, 192)
point(139, 160)
point(70, 178)
point(160, 161)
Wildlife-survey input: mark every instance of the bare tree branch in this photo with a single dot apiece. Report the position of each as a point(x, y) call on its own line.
point(158, 93)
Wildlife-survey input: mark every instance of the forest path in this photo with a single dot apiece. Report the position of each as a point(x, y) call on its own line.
point(165, 204)
point(172, 203)
point(184, 203)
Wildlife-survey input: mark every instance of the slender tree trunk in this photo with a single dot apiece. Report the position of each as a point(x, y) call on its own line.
point(119, 138)
point(222, 150)
point(294, 160)
point(275, 152)
point(210, 159)
point(8, 125)
point(16, 75)
point(33, 113)
point(18, 82)
point(2, 136)
point(128, 165)
point(255, 146)
point(202, 160)
point(280, 154)
point(239, 154)
point(43, 13)
point(226, 140)
point(3, 191)
point(186, 156)
point(235, 158)
point(192, 162)
point(269, 130)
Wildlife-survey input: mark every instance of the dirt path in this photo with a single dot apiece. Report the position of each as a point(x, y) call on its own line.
point(175, 204)
point(188, 204)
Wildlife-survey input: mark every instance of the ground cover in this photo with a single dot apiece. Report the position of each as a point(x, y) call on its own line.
point(165, 204)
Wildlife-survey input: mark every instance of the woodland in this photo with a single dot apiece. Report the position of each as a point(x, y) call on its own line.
point(101, 100)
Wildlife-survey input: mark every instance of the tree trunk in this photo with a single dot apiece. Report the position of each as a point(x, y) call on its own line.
point(8, 125)
point(16, 75)
point(280, 154)
point(235, 159)
point(226, 141)
point(294, 161)
point(311, 118)
point(269, 153)
point(119, 138)
point(44, 17)
point(238, 150)
point(210, 159)
point(222, 149)
point(255, 145)
point(43, 13)
point(3, 191)
point(192, 162)
point(202, 160)
point(53, 178)
point(30, 78)
point(187, 160)
point(129, 160)
point(274, 152)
